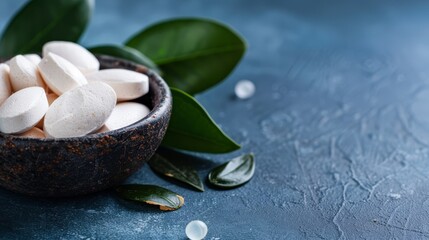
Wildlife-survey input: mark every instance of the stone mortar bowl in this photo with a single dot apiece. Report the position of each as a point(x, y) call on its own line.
point(80, 165)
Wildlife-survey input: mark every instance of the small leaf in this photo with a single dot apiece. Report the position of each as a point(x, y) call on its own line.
point(125, 52)
point(233, 173)
point(41, 21)
point(194, 54)
point(151, 194)
point(191, 128)
point(180, 172)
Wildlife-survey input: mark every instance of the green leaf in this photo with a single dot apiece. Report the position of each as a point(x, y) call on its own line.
point(194, 54)
point(151, 194)
point(191, 128)
point(124, 52)
point(233, 173)
point(41, 21)
point(171, 169)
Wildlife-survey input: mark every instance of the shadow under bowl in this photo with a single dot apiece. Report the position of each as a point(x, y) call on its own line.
point(81, 165)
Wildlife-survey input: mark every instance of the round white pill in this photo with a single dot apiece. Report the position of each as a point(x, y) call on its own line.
point(59, 74)
point(84, 60)
point(22, 110)
point(80, 111)
point(24, 73)
point(127, 84)
point(125, 114)
point(33, 133)
point(5, 88)
point(244, 89)
point(34, 58)
point(196, 230)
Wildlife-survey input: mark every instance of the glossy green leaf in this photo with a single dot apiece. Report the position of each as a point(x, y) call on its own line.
point(233, 173)
point(191, 128)
point(41, 21)
point(124, 52)
point(151, 194)
point(174, 170)
point(194, 54)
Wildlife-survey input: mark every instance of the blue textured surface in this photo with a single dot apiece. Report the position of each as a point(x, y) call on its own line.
point(339, 126)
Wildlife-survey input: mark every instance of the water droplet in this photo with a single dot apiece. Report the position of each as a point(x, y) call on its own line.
point(244, 89)
point(196, 230)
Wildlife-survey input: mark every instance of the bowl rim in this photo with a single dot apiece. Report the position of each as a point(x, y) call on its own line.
point(158, 110)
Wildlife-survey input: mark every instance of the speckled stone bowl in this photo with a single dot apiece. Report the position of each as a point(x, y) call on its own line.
point(76, 166)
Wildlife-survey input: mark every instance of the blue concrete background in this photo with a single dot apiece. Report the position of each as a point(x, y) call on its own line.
point(339, 126)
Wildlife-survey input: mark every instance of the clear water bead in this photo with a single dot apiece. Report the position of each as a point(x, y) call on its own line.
point(244, 89)
point(196, 230)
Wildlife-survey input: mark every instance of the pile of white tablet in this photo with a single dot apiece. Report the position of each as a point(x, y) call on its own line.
point(64, 94)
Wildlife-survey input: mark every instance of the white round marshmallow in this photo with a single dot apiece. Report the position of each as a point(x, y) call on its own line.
point(22, 110)
point(80, 111)
point(59, 74)
point(24, 73)
point(84, 60)
point(125, 114)
point(5, 88)
point(127, 84)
